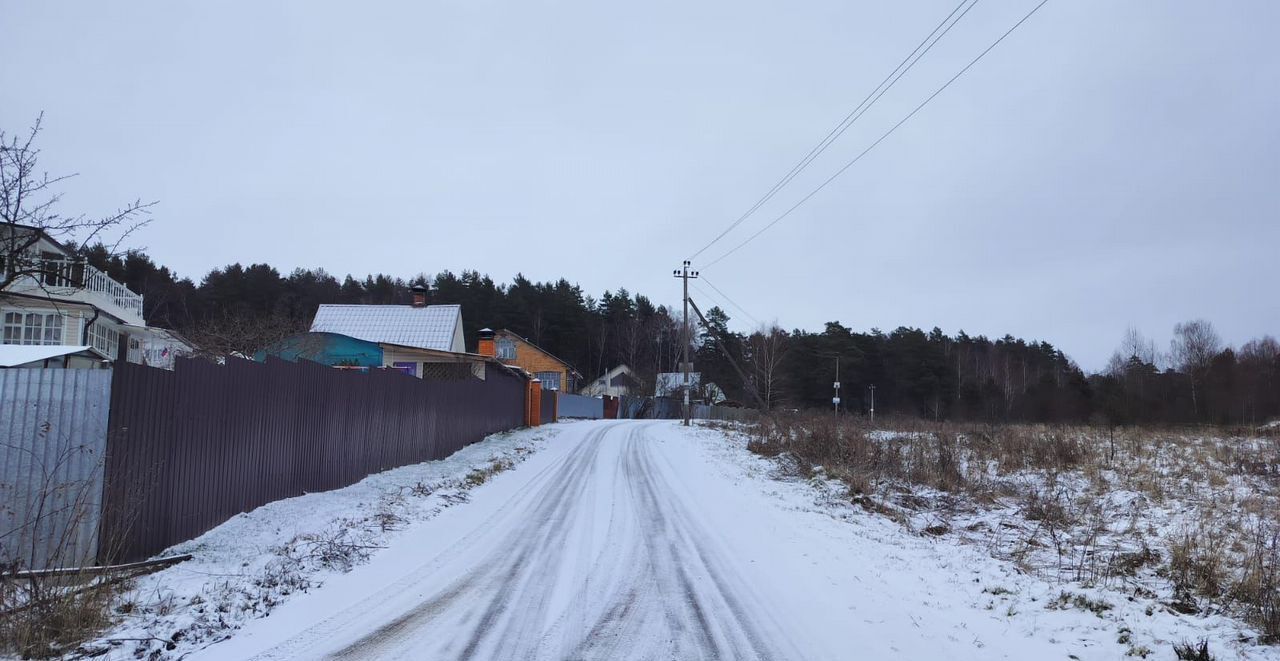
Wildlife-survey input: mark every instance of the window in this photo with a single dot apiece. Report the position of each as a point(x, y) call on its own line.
point(408, 367)
point(13, 328)
point(507, 349)
point(105, 339)
point(550, 380)
point(32, 328)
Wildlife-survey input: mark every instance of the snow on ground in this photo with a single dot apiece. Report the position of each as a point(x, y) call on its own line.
point(627, 539)
point(1044, 565)
point(246, 567)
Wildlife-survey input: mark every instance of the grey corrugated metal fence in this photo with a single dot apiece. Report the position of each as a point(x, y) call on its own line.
point(193, 447)
point(578, 406)
point(669, 408)
point(708, 412)
point(53, 431)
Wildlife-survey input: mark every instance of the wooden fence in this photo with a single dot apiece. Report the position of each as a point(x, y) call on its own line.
point(192, 447)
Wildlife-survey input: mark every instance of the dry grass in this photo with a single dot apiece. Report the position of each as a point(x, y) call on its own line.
point(47, 617)
point(1191, 514)
point(44, 616)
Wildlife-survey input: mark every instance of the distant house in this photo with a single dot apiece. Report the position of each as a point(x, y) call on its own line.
point(671, 384)
point(511, 349)
point(618, 382)
point(159, 347)
point(344, 351)
point(67, 306)
point(422, 326)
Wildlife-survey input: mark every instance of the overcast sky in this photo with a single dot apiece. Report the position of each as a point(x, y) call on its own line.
point(1113, 163)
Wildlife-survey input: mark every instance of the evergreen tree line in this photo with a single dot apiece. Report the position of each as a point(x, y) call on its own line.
point(936, 376)
point(238, 310)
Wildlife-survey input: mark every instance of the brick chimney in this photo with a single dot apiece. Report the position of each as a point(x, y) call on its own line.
point(486, 346)
point(419, 296)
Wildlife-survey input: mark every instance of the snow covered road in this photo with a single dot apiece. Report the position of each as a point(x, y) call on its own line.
point(644, 540)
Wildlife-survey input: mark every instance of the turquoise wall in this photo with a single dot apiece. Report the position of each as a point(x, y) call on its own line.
point(325, 348)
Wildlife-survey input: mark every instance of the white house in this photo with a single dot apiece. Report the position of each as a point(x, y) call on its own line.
point(617, 382)
point(68, 303)
point(671, 384)
point(436, 327)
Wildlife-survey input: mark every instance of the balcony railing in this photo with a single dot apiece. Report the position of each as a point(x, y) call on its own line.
point(77, 280)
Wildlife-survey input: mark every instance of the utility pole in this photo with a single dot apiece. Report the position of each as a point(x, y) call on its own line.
point(835, 401)
point(684, 274)
point(728, 356)
point(872, 388)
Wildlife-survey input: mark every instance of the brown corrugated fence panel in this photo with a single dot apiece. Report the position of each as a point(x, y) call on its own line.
point(189, 449)
point(547, 407)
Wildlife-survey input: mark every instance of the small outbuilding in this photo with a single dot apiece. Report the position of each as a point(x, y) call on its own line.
point(52, 356)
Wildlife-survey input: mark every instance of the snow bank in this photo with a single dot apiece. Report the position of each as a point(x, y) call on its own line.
point(247, 566)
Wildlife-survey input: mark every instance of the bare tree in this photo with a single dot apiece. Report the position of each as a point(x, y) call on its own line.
point(1136, 345)
point(243, 335)
point(28, 207)
point(1260, 363)
point(768, 346)
point(633, 339)
point(1195, 344)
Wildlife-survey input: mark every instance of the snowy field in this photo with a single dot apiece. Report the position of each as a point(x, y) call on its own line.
point(627, 539)
point(1168, 537)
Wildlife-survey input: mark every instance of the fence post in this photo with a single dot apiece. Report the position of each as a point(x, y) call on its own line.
point(535, 402)
point(555, 406)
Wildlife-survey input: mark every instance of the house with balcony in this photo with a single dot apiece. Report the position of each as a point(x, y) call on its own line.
point(63, 312)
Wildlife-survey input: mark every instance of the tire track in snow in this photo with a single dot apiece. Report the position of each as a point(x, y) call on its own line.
point(546, 577)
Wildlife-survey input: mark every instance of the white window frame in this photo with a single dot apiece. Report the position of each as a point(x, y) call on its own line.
point(550, 380)
point(12, 327)
point(506, 349)
point(33, 327)
point(105, 339)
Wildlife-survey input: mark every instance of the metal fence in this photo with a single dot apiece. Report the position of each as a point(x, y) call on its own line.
point(193, 447)
point(708, 412)
point(578, 406)
point(669, 408)
point(53, 432)
point(547, 407)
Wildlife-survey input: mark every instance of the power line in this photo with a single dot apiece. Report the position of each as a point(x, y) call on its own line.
point(853, 116)
point(702, 292)
point(723, 303)
point(731, 301)
point(873, 145)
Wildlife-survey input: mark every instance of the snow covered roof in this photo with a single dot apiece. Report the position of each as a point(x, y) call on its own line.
point(13, 355)
point(436, 327)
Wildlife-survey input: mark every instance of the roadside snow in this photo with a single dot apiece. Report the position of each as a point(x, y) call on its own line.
point(971, 567)
point(247, 566)
point(794, 559)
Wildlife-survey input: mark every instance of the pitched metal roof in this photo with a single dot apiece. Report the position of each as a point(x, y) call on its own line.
point(431, 327)
point(508, 333)
point(12, 355)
